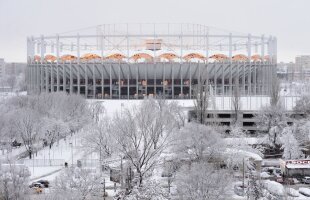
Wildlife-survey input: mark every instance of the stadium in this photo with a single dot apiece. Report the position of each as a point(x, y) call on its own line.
point(132, 61)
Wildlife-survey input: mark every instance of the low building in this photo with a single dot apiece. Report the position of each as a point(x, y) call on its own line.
point(295, 168)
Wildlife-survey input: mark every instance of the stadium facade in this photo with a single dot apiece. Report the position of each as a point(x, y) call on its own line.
point(131, 61)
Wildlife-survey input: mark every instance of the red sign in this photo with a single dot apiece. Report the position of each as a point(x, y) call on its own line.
point(303, 162)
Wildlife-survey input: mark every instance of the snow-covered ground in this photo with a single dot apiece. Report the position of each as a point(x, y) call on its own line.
point(215, 103)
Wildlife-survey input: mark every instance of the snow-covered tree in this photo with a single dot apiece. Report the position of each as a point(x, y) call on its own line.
point(201, 93)
point(96, 109)
point(53, 130)
point(142, 133)
point(27, 124)
point(275, 91)
point(290, 145)
point(236, 101)
point(271, 116)
point(76, 183)
point(303, 105)
point(254, 189)
point(14, 179)
point(151, 190)
point(237, 131)
point(202, 182)
point(200, 142)
point(99, 138)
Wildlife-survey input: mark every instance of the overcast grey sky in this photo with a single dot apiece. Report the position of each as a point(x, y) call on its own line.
point(288, 20)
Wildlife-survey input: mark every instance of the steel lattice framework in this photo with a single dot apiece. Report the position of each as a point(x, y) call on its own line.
point(137, 60)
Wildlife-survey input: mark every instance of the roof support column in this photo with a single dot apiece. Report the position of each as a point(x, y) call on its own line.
point(42, 78)
point(172, 81)
point(86, 81)
point(46, 78)
point(110, 71)
point(190, 80)
point(102, 81)
point(137, 81)
point(263, 82)
point(223, 84)
point(164, 80)
point(243, 79)
point(64, 78)
point(57, 74)
point(94, 82)
point(78, 79)
point(52, 78)
point(128, 84)
point(181, 74)
point(230, 65)
point(215, 80)
point(146, 78)
point(78, 48)
point(155, 80)
point(71, 80)
point(249, 60)
point(119, 80)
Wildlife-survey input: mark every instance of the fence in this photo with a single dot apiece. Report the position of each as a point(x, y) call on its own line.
point(42, 162)
point(92, 163)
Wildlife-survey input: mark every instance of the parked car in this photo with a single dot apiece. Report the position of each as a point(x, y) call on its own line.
point(45, 183)
point(277, 171)
point(16, 144)
point(306, 180)
point(291, 181)
point(279, 179)
point(36, 185)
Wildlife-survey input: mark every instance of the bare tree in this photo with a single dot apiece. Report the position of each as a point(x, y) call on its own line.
point(201, 93)
point(14, 179)
point(96, 109)
point(202, 182)
point(11, 80)
point(140, 137)
point(274, 91)
point(236, 101)
point(27, 124)
point(303, 105)
point(99, 139)
point(271, 116)
point(53, 130)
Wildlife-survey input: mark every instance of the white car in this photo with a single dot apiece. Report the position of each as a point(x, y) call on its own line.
point(306, 180)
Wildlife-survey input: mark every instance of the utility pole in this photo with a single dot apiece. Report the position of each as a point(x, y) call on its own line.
point(104, 188)
point(121, 173)
point(169, 184)
point(243, 176)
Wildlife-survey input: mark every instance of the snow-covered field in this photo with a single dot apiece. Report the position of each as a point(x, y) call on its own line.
point(215, 103)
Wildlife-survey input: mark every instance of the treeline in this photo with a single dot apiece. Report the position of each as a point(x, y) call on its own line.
point(45, 118)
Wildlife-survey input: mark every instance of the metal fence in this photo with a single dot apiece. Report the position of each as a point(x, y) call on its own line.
point(43, 162)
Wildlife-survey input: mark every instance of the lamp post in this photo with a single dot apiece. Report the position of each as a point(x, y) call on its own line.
point(71, 144)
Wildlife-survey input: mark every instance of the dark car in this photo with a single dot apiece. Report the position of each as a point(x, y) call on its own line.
point(16, 144)
point(36, 185)
point(44, 182)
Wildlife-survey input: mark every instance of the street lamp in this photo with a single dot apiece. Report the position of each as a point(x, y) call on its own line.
point(71, 153)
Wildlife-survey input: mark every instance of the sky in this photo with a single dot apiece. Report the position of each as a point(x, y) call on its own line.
point(288, 20)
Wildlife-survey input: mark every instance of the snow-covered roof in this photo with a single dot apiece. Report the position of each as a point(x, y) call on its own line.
point(243, 153)
point(298, 166)
point(274, 187)
point(249, 141)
